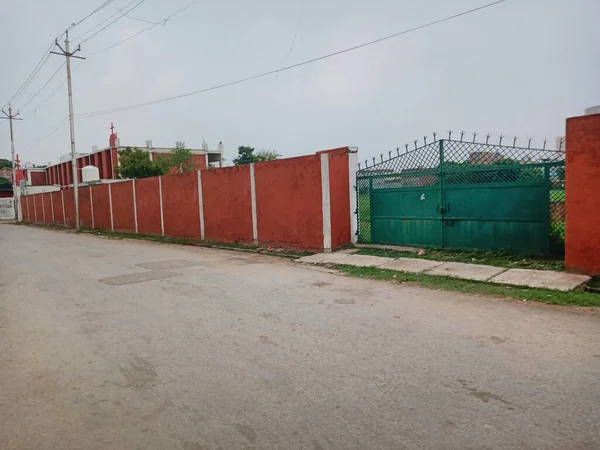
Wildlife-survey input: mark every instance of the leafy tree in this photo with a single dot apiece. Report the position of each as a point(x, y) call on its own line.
point(266, 155)
point(5, 164)
point(245, 155)
point(135, 163)
point(180, 158)
point(4, 180)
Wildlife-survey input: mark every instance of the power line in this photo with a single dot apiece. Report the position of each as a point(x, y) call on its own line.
point(57, 89)
point(103, 5)
point(30, 77)
point(103, 22)
point(163, 22)
point(51, 132)
point(141, 20)
point(116, 20)
point(40, 89)
point(154, 24)
point(293, 66)
point(46, 55)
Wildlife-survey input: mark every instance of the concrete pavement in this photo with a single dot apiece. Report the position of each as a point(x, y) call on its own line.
point(547, 279)
point(117, 344)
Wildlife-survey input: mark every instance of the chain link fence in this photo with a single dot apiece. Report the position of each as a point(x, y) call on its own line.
point(452, 162)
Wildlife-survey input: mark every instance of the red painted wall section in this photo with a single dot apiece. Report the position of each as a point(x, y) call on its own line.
point(38, 178)
point(39, 210)
point(180, 205)
point(339, 176)
point(101, 206)
point(227, 204)
point(288, 202)
point(68, 196)
point(47, 207)
point(148, 205)
point(199, 161)
point(4, 194)
point(25, 208)
point(85, 208)
point(57, 205)
point(122, 201)
point(114, 162)
point(582, 188)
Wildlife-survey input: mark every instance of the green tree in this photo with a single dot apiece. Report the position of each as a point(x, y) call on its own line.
point(266, 155)
point(4, 180)
point(181, 158)
point(245, 155)
point(135, 163)
point(5, 164)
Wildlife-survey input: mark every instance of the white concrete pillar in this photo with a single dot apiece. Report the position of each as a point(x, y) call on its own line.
point(52, 207)
point(201, 206)
point(62, 200)
point(162, 217)
point(352, 168)
point(112, 222)
point(253, 197)
point(135, 219)
point(92, 207)
point(43, 209)
point(326, 202)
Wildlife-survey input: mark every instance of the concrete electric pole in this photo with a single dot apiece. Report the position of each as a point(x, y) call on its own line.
point(10, 117)
point(68, 54)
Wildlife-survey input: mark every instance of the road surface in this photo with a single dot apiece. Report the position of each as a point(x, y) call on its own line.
point(119, 344)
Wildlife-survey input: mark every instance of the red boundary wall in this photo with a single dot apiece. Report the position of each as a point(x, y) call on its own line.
point(289, 203)
point(122, 203)
point(180, 205)
point(227, 200)
point(582, 180)
point(283, 207)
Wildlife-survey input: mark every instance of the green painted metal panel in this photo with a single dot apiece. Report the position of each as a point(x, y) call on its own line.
point(465, 195)
point(507, 217)
point(406, 216)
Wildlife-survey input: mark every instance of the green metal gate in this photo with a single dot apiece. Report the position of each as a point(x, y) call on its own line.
point(465, 195)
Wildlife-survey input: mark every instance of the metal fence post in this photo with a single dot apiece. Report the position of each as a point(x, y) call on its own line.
point(442, 193)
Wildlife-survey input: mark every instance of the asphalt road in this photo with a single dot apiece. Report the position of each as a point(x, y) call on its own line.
point(118, 344)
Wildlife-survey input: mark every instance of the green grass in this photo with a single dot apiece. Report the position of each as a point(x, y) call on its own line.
point(557, 195)
point(497, 259)
point(572, 298)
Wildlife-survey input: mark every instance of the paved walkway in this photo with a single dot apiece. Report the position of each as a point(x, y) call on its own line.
point(547, 279)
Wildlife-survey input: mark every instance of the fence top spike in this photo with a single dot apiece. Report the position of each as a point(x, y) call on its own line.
point(450, 134)
point(474, 137)
point(434, 136)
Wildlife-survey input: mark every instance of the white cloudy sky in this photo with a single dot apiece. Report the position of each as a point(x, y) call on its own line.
point(519, 68)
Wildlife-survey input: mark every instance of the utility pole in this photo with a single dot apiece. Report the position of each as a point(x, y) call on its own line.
point(10, 117)
point(68, 54)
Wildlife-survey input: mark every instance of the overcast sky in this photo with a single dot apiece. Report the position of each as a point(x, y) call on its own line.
point(518, 68)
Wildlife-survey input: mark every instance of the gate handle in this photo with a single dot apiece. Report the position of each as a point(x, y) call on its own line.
point(437, 207)
point(447, 207)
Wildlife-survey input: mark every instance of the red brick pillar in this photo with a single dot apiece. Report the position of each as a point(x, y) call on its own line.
point(582, 186)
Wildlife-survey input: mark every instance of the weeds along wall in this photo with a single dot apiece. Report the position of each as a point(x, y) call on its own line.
point(302, 202)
